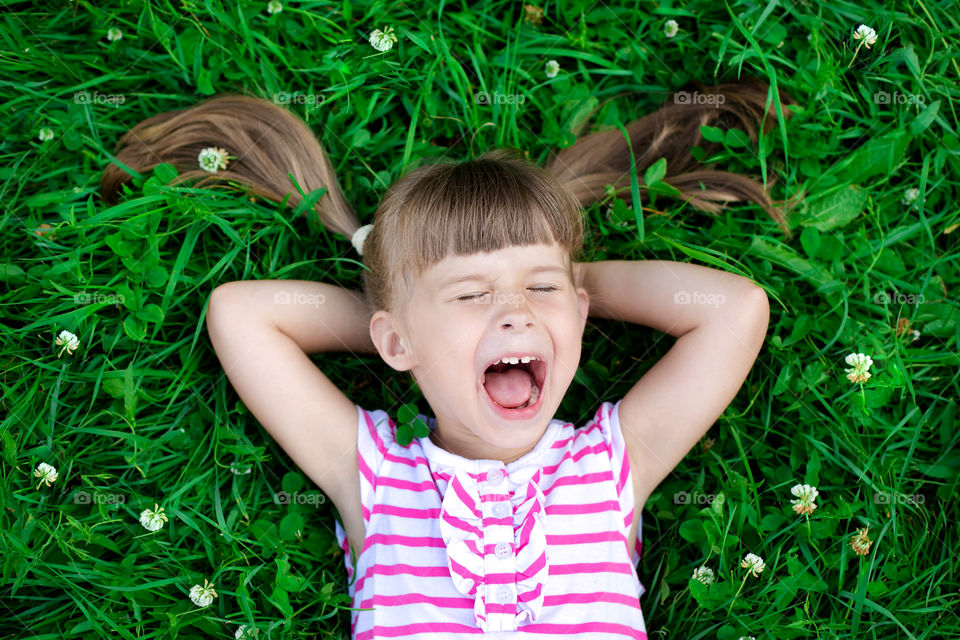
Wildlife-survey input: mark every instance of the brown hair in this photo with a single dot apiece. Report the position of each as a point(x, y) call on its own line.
point(269, 143)
point(432, 211)
point(493, 201)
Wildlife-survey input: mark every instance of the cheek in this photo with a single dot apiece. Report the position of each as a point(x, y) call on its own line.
point(450, 337)
point(573, 320)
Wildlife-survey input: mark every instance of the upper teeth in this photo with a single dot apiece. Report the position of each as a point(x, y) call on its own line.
point(524, 359)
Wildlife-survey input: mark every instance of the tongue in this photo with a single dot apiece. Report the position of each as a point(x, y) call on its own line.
point(510, 388)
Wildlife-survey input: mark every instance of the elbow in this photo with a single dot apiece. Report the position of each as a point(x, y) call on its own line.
point(219, 294)
point(758, 304)
point(759, 299)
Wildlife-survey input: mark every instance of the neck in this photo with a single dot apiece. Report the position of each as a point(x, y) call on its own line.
point(475, 449)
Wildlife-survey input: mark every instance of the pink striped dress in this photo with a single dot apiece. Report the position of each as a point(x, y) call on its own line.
point(535, 548)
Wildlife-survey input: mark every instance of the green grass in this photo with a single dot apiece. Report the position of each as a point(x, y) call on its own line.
point(141, 413)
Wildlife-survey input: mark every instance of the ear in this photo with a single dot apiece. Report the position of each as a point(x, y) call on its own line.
point(390, 340)
point(578, 273)
point(583, 306)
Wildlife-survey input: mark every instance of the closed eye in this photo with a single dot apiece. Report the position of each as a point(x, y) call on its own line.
point(480, 295)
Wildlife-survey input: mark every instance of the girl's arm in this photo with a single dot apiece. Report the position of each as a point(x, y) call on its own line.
point(318, 317)
point(262, 331)
point(719, 320)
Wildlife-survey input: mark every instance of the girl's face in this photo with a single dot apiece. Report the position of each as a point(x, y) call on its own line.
point(467, 313)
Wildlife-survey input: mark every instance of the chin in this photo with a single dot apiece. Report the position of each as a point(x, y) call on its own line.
point(517, 435)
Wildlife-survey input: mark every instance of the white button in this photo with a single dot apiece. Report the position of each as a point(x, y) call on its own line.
point(502, 550)
point(501, 509)
point(495, 476)
point(504, 594)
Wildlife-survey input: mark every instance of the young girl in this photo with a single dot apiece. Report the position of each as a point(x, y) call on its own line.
point(504, 519)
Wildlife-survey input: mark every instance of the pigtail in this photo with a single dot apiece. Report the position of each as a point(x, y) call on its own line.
point(603, 158)
point(268, 142)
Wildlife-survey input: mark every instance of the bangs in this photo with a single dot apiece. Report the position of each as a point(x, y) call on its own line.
point(486, 205)
point(496, 201)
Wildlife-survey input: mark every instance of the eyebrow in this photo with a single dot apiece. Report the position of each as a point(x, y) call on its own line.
point(472, 277)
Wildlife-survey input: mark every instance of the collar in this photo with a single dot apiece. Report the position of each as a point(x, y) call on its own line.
point(442, 458)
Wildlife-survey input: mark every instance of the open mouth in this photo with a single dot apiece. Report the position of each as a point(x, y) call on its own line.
point(513, 384)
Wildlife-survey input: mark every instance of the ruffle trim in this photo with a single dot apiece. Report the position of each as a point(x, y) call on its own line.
point(461, 525)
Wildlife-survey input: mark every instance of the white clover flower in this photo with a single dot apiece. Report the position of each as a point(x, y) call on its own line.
point(69, 342)
point(245, 633)
point(909, 196)
point(704, 575)
point(114, 34)
point(212, 158)
point(383, 40)
point(806, 495)
point(670, 28)
point(865, 33)
point(153, 520)
point(754, 564)
point(46, 133)
point(915, 334)
point(47, 474)
point(553, 68)
point(861, 364)
point(274, 6)
point(202, 596)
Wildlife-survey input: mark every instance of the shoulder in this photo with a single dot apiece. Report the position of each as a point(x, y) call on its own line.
point(603, 436)
point(377, 441)
point(590, 446)
point(376, 425)
point(602, 429)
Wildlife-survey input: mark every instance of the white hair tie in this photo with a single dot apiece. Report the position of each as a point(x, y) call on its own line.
point(359, 236)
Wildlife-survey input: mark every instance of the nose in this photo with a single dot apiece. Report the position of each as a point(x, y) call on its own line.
point(514, 312)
